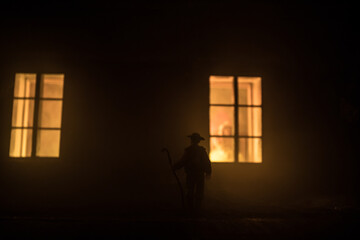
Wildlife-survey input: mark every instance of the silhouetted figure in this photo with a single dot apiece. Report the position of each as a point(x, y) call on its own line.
point(196, 164)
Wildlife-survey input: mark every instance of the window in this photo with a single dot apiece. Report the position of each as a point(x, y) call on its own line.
point(235, 119)
point(36, 117)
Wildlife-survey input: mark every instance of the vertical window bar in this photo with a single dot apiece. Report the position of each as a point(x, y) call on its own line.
point(36, 114)
point(23, 121)
point(62, 114)
point(236, 120)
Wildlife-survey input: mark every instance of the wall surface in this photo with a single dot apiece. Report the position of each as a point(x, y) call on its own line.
point(136, 80)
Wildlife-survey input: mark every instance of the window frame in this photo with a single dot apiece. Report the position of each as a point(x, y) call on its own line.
point(37, 98)
point(236, 137)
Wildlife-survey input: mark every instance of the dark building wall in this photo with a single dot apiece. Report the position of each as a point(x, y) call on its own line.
point(138, 81)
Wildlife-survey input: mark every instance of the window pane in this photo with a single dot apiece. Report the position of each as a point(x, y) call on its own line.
point(48, 143)
point(249, 121)
point(24, 85)
point(52, 86)
point(20, 143)
point(221, 121)
point(23, 113)
point(50, 113)
point(249, 90)
point(221, 90)
point(250, 150)
point(221, 149)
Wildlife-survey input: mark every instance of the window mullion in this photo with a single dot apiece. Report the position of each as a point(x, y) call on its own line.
point(236, 119)
point(36, 115)
point(22, 120)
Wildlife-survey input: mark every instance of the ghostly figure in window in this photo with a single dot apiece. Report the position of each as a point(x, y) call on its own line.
point(225, 129)
point(222, 144)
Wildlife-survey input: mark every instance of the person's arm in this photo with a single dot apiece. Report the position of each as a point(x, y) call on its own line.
point(181, 163)
point(207, 161)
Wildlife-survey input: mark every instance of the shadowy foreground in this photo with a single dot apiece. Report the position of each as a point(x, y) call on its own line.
point(275, 224)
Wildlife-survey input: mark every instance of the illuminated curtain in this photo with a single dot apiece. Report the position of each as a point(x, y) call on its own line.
point(23, 115)
point(50, 111)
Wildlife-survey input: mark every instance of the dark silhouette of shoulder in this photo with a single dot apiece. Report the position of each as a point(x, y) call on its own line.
point(195, 148)
point(195, 159)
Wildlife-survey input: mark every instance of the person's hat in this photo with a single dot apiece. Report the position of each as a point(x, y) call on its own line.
point(196, 136)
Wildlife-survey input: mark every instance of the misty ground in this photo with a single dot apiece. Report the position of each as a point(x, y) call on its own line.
point(320, 219)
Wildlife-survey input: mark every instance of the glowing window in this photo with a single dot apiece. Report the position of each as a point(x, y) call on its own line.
point(37, 113)
point(235, 119)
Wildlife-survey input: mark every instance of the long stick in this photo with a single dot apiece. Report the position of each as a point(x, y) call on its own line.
point(177, 179)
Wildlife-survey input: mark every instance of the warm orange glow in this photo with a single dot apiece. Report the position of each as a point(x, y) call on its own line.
point(249, 121)
point(250, 118)
point(52, 86)
point(50, 113)
point(22, 115)
point(221, 90)
point(49, 106)
point(48, 143)
point(222, 149)
point(25, 85)
point(248, 131)
point(20, 143)
point(249, 90)
point(222, 121)
point(222, 118)
point(250, 150)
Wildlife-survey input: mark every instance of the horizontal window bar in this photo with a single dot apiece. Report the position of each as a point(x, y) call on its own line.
point(249, 136)
point(224, 136)
point(32, 98)
point(54, 99)
point(222, 105)
point(24, 98)
point(232, 136)
point(37, 128)
point(234, 105)
point(254, 106)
